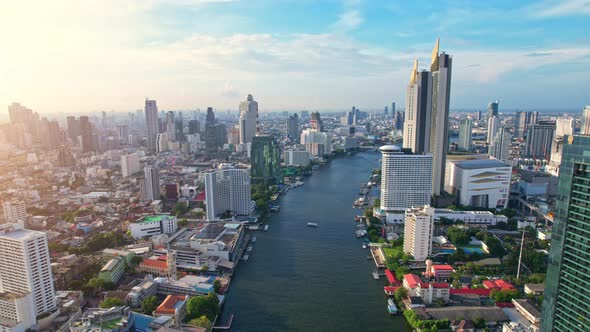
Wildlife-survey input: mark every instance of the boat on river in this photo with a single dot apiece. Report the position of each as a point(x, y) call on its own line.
point(375, 275)
point(265, 228)
point(391, 308)
point(312, 224)
point(246, 256)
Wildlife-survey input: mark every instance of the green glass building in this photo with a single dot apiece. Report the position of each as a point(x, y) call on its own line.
point(265, 158)
point(566, 305)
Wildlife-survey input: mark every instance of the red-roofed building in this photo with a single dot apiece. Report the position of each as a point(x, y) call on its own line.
point(411, 281)
point(498, 284)
point(153, 266)
point(390, 290)
point(475, 291)
point(391, 278)
point(428, 292)
point(173, 305)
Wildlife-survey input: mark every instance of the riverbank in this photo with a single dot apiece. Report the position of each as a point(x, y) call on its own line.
point(303, 278)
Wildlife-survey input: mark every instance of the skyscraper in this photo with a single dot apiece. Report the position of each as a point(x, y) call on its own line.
point(406, 179)
point(151, 188)
point(15, 210)
point(316, 122)
point(465, 127)
point(493, 126)
point(522, 122)
point(86, 134)
point(248, 119)
point(210, 131)
point(194, 127)
point(170, 126)
point(151, 121)
point(265, 159)
point(492, 109)
point(227, 189)
point(567, 294)
point(564, 127)
point(500, 146)
point(25, 266)
point(539, 139)
point(73, 128)
point(585, 128)
point(293, 127)
point(440, 68)
point(129, 164)
point(386, 112)
point(418, 111)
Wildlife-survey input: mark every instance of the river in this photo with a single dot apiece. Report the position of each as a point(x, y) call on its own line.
point(300, 278)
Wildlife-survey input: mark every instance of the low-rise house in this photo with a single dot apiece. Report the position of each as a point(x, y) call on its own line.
point(534, 289)
point(173, 305)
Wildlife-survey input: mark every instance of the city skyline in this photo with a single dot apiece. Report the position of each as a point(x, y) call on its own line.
point(303, 55)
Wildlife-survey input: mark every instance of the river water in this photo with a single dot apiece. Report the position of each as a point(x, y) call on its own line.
point(300, 278)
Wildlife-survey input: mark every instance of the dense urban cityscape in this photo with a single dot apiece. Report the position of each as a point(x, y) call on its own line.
point(418, 216)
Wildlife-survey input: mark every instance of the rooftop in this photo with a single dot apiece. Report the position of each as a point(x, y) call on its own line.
point(170, 304)
point(154, 218)
point(480, 163)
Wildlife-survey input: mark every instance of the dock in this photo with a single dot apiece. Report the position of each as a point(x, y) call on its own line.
point(225, 327)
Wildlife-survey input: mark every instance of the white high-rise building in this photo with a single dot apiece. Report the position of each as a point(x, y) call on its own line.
point(317, 143)
point(25, 266)
point(493, 126)
point(248, 119)
point(227, 189)
point(162, 142)
point(418, 230)
point(465, 128)
point(585, 128)
point(564, 126)
point(129, 164)
point(500, 146)
point(15, 211)
point(151, 187)
point(297, 158)
point(18, 309)
point(406, 179)
point(151, 122)
point(418, 111)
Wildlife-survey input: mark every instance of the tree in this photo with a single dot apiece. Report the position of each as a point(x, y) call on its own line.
point(202, 321)
point(207, 305)
point(182, 222)
point(180, 208)
point(504, 295)
point(494, 246)
point(400, 294)
point(110, 302)
point(479, 323)
point(136, 260)
point(458, 236)
point(377, 202)
point(204, 268)
point(149, 304)
point(217, 286)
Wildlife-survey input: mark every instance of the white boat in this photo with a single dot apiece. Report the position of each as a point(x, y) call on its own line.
point(391, 308)
point(375, 275)
point(312, 224)
point(364, 246)
point(246, 256)
point(253, 239)
point(265, 228)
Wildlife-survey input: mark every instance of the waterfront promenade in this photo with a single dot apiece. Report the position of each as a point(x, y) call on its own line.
point(300, 278)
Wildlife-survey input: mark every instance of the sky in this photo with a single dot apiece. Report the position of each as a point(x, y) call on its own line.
point(84, 56)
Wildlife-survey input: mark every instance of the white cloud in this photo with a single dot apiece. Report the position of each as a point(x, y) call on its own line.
point(552, 8)
point(348, 20)
point(229, 90)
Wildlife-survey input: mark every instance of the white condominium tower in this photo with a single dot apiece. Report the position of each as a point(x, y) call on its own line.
point(406, 179)
point(15, 210)
point(493, 126)
point(25, 266)
point(585, 128)
point(418, 108)
point(465, 128)
point(418, 230)
point(500, 146)
point(248, 119)
point(151, 122)
point(227, 189)
point(129, 164)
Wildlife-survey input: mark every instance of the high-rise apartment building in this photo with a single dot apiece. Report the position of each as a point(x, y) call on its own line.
point(151, 187)
point(129, 164)
point(87, 139)
point(170, 125)
point(492, 109)
point(265, 158)
point(522, 122)
point(567, 287)
point(248, 122)
point(194, 127)
point(293, 127)
point(564, 127)
point(316, 143)
point(213, 132)
point(465, 128)
point(418, 231)
point(493, 126)
point(585, 128)
point(315, 123)
point(418, 111)
point(406, 179)
point(227, 189)
point(500, 146)
point(539, 139)
point(440, 68)
point(15, 210)
point(25, 266)
point(73, 128)
point(151, 121)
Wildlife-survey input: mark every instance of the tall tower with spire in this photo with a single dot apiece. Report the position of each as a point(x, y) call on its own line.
point(418, 108)
point(440, 67)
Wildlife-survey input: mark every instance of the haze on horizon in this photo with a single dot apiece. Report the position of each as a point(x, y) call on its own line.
point(84, 56)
